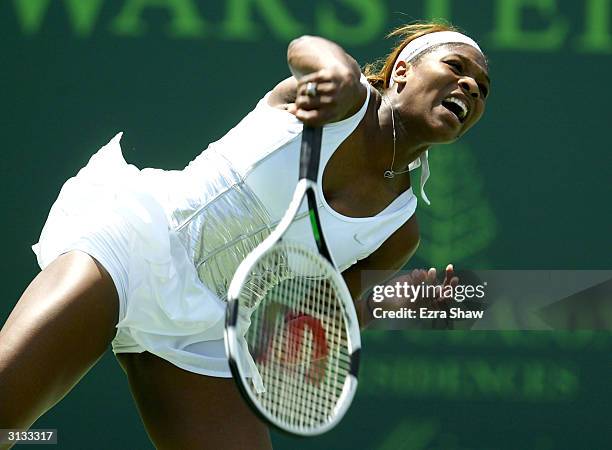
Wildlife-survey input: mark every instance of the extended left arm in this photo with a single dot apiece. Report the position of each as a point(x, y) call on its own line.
point(381, 265)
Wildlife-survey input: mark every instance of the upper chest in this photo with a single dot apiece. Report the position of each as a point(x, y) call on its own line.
point(353, 183)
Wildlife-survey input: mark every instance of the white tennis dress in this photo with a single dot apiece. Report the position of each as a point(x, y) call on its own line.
point(171, 240)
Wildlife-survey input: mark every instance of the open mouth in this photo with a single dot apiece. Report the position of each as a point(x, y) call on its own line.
point(457, 107)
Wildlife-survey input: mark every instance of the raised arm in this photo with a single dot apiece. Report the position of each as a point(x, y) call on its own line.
point(309, 54)
point(339, 93)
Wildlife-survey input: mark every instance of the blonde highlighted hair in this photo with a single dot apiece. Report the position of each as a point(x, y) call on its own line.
point(378, 73)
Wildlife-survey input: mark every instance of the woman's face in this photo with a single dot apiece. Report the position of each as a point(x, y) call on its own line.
point(445, 92)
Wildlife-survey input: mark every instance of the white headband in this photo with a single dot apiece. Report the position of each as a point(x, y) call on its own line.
point(408, 53)
point(422, 43)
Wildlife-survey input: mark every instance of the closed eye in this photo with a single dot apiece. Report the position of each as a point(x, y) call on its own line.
point(456, 66)
point(484, 90)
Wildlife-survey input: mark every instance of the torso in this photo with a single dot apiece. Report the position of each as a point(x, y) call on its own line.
point(351, 186)
point(369, 220)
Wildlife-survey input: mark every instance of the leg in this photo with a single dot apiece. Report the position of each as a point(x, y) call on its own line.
point(181, 409)
point(60, 327)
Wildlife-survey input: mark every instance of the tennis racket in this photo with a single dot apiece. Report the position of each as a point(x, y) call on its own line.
point(291, 331)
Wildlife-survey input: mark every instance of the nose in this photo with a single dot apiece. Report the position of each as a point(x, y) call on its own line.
point(470, 86)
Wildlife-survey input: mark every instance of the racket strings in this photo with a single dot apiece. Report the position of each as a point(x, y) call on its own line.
point(297, 336)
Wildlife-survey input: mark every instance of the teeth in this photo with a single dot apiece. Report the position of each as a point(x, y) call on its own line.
point(463, 106)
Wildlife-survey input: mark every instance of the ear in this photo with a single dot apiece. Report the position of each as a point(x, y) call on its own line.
point(401, 72)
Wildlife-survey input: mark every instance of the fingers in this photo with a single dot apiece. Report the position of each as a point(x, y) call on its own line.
point(451, 279)
point(320, 100)
point(315, 110)
point(322, 94)
point(431, 276)
point(418, 276)
point(448, 275)
point(322, 88)
point(319, 77)
point(315, 117)
point(321, 105)
point(292, 108)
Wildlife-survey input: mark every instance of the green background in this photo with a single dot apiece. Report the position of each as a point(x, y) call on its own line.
point(528, 188)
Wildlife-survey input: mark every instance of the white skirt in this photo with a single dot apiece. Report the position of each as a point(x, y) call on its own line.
point(137, 224)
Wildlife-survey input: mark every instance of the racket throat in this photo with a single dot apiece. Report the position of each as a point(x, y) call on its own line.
point(315, 223)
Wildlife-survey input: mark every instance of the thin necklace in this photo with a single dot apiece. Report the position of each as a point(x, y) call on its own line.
point(391, 173)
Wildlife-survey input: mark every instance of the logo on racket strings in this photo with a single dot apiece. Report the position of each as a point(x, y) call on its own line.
point(296, 339)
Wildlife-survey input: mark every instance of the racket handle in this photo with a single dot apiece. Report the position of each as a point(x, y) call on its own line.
point(310, 152)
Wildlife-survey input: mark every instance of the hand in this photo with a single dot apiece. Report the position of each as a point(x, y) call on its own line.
point(430, 278)
point(440, 301)
point(421, 289)
point(337, 92)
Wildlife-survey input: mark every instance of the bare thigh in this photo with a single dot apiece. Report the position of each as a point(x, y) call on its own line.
point(183, 410)
point(59, 328)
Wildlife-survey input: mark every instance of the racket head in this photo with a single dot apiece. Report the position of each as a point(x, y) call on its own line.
point(291, 311)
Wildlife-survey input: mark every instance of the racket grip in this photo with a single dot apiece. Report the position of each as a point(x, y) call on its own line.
point(310, 152)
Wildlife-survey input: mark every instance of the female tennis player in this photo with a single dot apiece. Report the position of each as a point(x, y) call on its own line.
point(142, 258)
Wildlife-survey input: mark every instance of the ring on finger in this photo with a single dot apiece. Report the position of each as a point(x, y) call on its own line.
point(311, 89)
